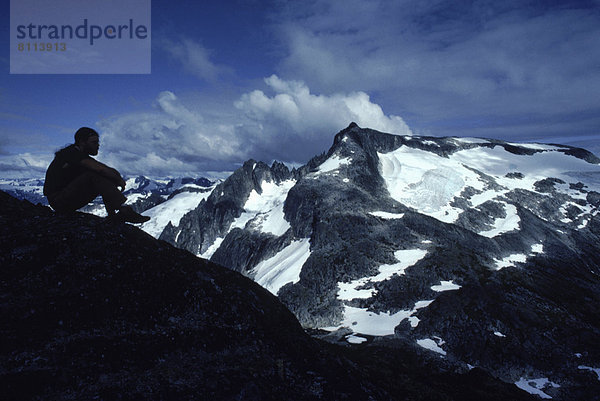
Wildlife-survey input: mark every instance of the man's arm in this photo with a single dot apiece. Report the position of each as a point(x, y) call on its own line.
point(104, 170)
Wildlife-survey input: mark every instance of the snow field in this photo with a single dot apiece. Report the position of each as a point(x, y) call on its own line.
point(283, 268)
point(262, 212)
point(406, 258)
point(172, 211)
point(425, 181)
point(428, 182)
point(352, 339)
point(265, 210)
point(510, 260)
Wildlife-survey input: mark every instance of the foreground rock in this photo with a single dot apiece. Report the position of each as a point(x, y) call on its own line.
point(92, 310)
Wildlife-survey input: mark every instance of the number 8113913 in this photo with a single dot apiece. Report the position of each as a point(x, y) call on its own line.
point(41, 47)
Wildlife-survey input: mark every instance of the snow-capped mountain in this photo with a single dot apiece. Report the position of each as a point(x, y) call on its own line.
point(482, 251)
point(30, 189)
point(142, 194)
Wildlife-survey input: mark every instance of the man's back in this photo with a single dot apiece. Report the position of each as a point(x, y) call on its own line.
point(63, 169)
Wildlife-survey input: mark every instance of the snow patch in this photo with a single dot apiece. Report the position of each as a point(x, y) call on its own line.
point(432, 345)
point(504, 224)
point(212, 249)
point(406, 258)
point(353, 339)
point(510, 261)
point(595, 370)
point(537, 248)
point(445, 286)
point(333, 163)
point(283, 268)
point(387, 215)
point(360, 320)
point(535, 386)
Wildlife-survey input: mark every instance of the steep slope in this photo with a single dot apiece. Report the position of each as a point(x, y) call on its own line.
point(481, 251)
point(97, 310)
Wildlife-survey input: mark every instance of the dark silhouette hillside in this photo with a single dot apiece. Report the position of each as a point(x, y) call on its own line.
point(97, 310)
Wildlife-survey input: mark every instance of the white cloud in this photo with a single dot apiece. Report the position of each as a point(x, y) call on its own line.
point(171, 140)
point(301, 124)
point(290, 125)
point(284, 121)
point(24, 165)
point(195, 58)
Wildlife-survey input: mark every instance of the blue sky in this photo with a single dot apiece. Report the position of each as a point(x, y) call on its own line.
point(233, 80)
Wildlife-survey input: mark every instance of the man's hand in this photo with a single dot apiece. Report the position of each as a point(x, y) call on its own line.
point(121, 184)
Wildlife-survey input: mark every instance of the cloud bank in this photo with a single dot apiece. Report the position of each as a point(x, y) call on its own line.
point(286, 123)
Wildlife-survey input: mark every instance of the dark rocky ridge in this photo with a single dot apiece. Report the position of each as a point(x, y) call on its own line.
point(96, 310)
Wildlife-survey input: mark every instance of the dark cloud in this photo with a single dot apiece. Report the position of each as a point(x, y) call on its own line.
point(449, 67)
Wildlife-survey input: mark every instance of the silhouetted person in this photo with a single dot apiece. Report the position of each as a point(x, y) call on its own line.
point(74, 179)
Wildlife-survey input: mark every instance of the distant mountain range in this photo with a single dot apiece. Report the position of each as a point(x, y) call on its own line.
point(480, 252)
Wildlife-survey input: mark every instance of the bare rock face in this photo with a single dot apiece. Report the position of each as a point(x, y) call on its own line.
point(96, 310)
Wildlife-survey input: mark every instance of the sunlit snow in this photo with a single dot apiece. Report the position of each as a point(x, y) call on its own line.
point(428, 182)
point(171, 211)
point(510, 261)
point(212, 249)
point(352, 339)
point(333, 163)
point(537, 248)
point(504, 224)
point(361, 320)
point(387, 215)
point(264, 211)
point(445, 286)
point(283, 268)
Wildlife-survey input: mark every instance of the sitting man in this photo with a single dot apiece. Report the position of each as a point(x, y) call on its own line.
point(74, 179)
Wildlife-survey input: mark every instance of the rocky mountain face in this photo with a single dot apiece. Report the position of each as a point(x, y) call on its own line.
point(481, 252)
point(91, 309)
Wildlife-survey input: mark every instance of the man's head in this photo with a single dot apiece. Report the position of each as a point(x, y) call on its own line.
point(87, 140)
